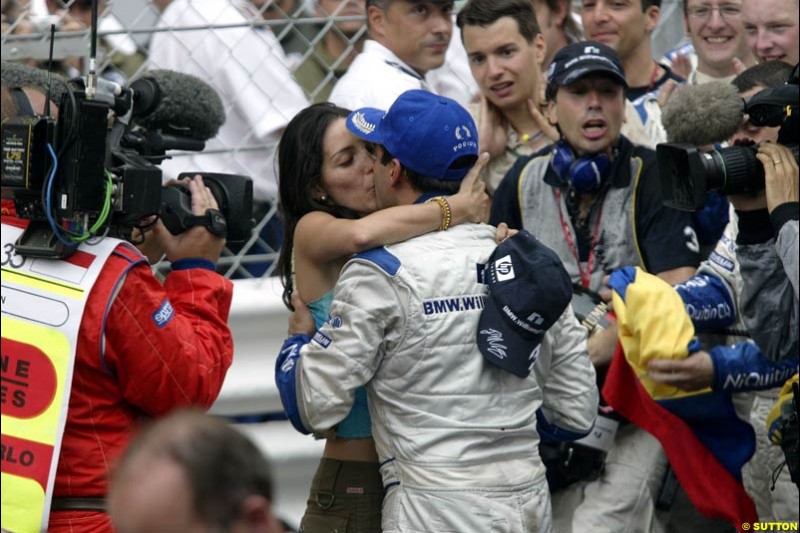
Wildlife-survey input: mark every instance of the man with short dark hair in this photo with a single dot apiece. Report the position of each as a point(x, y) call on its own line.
point(192, 472)
point(505, 50)
point(407, 39)
point(595, 200)
point(457, 340)
point(627, 27)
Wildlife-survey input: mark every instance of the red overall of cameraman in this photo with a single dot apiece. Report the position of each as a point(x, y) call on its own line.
point(129, 366)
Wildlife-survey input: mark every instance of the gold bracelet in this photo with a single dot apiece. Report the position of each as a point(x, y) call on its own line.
point(444, 205)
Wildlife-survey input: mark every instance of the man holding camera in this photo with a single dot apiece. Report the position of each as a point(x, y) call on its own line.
point(595, 200)
point(767, 251)
point(140, 350)
point(714, 297)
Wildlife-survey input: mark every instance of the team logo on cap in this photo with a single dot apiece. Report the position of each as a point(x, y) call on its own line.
point(462, 132)
point(536, 319)
point(591, 50)
point(361, 124)
point(464, 138)
point(504, 268)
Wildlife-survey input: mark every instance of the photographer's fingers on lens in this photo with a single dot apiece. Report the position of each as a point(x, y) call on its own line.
point(776, 156)
point(785, 156)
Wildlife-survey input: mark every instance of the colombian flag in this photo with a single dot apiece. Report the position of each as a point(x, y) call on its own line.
point(706, 442)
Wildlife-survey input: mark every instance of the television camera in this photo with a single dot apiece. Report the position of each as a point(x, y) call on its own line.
point(688, 173)
point(93, 172)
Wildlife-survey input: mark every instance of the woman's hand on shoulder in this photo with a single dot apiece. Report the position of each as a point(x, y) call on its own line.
point(301, 320)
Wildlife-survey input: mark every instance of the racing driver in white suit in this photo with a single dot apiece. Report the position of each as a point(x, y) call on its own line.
point(420, 322)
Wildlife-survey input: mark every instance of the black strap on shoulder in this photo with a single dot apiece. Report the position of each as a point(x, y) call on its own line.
point(22, 101)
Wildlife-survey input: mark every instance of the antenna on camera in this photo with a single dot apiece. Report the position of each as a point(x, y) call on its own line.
point(46, 111)
point(91, 78)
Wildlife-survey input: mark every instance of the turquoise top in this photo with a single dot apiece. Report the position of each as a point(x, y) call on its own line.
point(320, 307)
point(357, 424)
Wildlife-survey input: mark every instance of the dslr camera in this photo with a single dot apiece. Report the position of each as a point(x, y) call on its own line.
point(687, 173)
point(93, 172)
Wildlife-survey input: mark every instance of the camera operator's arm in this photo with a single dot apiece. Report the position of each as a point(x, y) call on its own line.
point(769, 302)
point(170, 346)
point(782, 179)
point(780, 175)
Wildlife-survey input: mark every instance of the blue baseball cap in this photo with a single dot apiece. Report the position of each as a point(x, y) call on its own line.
point(529, 289)
point(428, 134)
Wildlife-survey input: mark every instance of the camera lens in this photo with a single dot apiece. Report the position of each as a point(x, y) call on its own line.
point(733, 170)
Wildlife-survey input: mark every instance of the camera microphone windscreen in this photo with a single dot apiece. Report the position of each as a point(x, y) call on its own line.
point(177, 103)
point(703, 114)
point(16, 75)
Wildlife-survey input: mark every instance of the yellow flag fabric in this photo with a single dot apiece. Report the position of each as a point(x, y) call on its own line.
point(653, 324)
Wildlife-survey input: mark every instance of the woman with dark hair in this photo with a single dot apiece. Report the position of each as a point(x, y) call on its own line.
point(328, 206)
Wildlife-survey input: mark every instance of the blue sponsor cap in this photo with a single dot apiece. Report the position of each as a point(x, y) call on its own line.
point(432, 135)
point(529, 289)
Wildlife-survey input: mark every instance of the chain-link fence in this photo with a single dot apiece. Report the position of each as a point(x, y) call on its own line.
point(267, 59)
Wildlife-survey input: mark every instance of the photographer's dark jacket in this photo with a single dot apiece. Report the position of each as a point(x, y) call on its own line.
point(132, 364)
point(633, 225)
